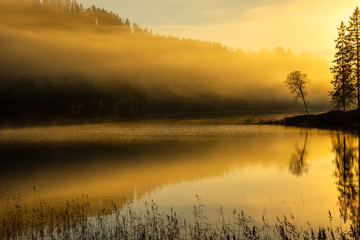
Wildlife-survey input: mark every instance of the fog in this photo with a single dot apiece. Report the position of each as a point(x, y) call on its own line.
point(38, 43)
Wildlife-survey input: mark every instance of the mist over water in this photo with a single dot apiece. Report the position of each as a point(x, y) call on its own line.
point(55, 50)
point(95, 107)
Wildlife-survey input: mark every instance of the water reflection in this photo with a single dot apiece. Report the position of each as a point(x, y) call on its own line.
point(347, 163)
point(297, 164)
point(235, 166)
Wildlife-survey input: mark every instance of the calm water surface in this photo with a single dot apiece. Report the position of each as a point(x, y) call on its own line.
point(264, 170)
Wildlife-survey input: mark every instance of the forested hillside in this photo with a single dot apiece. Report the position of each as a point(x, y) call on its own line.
point(61, 60)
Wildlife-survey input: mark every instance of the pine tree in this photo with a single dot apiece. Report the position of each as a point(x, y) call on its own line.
point(344, 91)
point(354, 39)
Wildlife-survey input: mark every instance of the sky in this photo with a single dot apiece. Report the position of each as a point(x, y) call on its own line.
point(302, 25)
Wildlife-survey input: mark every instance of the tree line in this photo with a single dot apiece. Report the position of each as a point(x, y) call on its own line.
point(346, 65)
point(95, 16)
point(27, 101)
point(31, 91)
point(91, 15)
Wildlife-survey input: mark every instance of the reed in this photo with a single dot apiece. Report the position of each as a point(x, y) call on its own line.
point(77, 221)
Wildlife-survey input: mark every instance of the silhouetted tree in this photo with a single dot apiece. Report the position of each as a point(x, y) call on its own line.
point(354, 42)
point(136, 28)
point(127, 24)
point(343, 94)
point(297, 81)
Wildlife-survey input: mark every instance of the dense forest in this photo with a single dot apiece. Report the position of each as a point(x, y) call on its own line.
point(61, 60)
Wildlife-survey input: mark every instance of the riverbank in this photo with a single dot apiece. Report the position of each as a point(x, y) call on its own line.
point(338, 120)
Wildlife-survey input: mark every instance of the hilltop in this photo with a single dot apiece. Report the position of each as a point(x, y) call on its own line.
point(61, 60)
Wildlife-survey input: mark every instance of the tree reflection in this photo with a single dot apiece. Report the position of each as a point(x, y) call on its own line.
point(297, 164)
point(347, 177)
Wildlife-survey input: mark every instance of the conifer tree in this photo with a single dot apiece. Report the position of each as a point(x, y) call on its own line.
point(354, 40)
point(342, 97)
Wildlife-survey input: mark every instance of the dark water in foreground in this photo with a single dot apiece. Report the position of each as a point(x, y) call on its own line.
point(263, 170)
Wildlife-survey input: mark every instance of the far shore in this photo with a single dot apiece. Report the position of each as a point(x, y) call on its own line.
point(223, 117)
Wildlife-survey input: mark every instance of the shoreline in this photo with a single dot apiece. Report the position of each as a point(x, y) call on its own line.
point(332, 120)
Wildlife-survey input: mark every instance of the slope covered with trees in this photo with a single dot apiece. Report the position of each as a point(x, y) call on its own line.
point(66, 9)
point(62, 60)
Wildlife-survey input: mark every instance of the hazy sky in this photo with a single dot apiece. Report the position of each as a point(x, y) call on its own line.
point(301, 25)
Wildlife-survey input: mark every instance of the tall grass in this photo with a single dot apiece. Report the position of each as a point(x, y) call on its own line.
point(77, 221)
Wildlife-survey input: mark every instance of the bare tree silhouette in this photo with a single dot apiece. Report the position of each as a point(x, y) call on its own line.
point(297, 81)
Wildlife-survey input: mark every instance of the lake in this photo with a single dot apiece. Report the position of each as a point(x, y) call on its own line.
point(263, 170)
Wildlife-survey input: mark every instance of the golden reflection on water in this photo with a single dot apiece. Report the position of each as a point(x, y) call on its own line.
point(247, 167)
